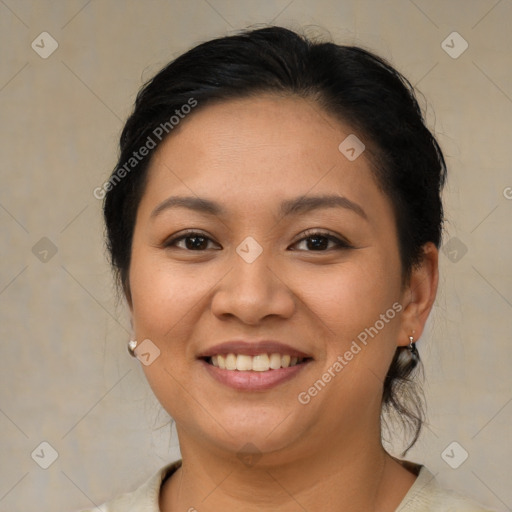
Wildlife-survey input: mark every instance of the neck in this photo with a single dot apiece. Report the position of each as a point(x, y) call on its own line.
point(351, 476)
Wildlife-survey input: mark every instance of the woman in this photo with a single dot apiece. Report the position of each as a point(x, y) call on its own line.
point(274, 223)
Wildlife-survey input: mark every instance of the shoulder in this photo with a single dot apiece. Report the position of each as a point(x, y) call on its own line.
point(426, 495)
point(144, 498)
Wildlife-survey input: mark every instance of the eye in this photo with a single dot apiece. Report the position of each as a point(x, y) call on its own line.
point(191, 241)
point(320, 241)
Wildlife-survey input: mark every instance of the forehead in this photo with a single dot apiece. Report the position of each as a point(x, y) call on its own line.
point(254, 150)
point(264, 124)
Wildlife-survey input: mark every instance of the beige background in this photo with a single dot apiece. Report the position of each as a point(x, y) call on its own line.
point(66, 377)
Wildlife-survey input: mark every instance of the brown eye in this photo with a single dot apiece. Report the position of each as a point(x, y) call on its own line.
point(317, 242)
point(192, 241)
point(321, 242)
point(196, 243)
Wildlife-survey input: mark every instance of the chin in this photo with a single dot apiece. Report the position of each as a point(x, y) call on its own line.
point(259, 429)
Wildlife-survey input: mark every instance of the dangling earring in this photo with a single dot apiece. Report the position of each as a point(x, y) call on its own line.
point(132, 345)
point(412, 347)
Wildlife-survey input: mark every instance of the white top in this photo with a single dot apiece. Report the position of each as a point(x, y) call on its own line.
point(425, 495)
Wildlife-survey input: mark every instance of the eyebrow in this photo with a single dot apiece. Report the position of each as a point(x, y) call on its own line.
point(297, 206)
point(306, 204)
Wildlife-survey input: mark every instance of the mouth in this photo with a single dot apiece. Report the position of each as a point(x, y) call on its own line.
point(253, 366)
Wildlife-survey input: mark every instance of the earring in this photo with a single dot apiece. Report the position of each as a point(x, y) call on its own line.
point(412, 347)
point(132, 345)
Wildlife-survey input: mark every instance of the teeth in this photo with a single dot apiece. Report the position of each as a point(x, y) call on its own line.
point(275, 361)
point(243, 363)
point(231, 362)
point(259, 363)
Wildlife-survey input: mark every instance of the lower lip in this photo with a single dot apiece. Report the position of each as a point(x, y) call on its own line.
point(251, 380)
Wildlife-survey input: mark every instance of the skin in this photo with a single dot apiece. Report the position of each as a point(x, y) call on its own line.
point(249, 155)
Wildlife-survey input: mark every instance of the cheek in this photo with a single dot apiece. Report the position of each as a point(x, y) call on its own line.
point(358, 303)
point(357, 308)
point(349, 296)
point(162, 296)
point(165, 301)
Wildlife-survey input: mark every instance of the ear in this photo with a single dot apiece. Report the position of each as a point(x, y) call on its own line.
point(419, 295)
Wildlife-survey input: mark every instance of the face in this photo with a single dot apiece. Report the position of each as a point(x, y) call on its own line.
point(256, 236)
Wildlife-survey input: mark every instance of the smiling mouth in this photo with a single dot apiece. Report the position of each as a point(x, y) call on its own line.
point(258, 363)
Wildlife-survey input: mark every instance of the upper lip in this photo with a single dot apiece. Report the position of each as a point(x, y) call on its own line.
point(252, 349)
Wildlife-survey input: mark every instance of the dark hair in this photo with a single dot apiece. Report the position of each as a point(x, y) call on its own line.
point(348, 82)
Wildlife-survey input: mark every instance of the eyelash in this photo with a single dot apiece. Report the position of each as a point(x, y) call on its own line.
point(339, 242)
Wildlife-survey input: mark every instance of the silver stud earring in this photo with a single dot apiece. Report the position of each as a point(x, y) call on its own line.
point(132, 345)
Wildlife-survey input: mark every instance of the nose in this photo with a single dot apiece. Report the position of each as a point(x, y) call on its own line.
point(252, 292)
